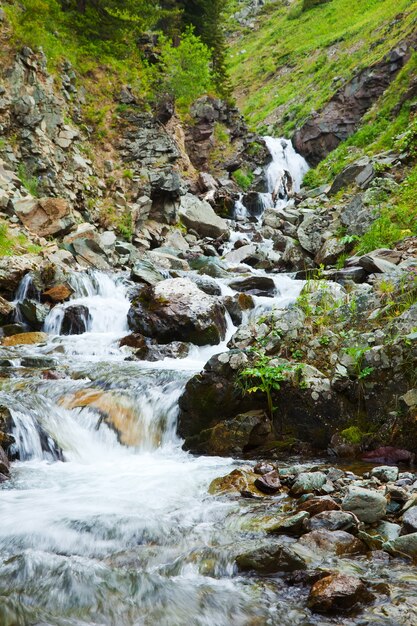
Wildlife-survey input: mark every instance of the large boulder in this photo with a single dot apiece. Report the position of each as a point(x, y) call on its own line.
point(76, 320)
point(177, 310)
point(45, 216)
point(198, 215)
point(25, 339)
point(368, 506)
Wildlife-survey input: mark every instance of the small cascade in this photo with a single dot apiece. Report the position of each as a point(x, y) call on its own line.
point(101, 303)
point(25, 291)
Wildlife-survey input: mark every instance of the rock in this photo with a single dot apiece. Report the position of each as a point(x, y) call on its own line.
point(238, 481)
point(330, 251)
point(145, 272)
point(318, 504)
point(89, 252)
point(58, 293)
point(269, 482)
point(25, 339)
point(235, 436)
point(332, 520)
point(341, 116)
point(244, 254)
point(309, 233)
point(176, 310)
point(199, 216)
point(136, 341)
point(13, 269)
point(338, 592)
point(385, 473)
point(389, 454)
point(410, 521)
point(406, 544)
point(337, 542)
point(255, 285)
point(368, 506)
point(263, 467)
point(270, 558)
point(292, 525)
point(209, 266)
point(6, 310)
point(306, 482)
point(45, 216)
point(34, 312)
point(206, 284)
point(76, 320)
point(4, 463)
point(373, 264)
point(360, 173)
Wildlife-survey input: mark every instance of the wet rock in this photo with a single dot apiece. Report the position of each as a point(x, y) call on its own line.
point(206, 284)
point(13, 269)
point(45, 216)
point(235, 436)
point(176, 310)
point(238, 481)
point(76, 320)
point(269, 482)
point(58, 293)
point(34, 312)
point(173, 350)
point(270, 558)
point(306, 482)
point(263, 467)
point(199, 216)
point(37, 362)
point(24, 339)
point(368, 506)
point(255, 285)
point(318, 504)
point(292, 525)
point(338, 542)
point(338, 592)
point(332, 520)
point(209, 266)
point(6, 310)
point(88, 252)
point(136, 341)
point(385, 473)
point(410, 521)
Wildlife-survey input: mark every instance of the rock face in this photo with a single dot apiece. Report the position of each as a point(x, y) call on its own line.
point(339, 119)
point(46, 216)
point(198, 215)
point(338, 592)
point(177, 310)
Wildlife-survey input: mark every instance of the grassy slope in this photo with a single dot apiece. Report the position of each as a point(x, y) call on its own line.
point(293, 62)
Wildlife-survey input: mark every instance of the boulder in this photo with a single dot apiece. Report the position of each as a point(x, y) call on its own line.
point(13, 269)
point(177, 310)
point(368, 506)
point(58, 293)
point(25, 339)
point(332, 520)
point(385, 473)
point(306, 482)
point(199, 216)
point(338, 542)
point(360, 173)
point(35, 313)
point(254, 285)
point(237, 482)
point(234, 437)
point(269, 558)
point(268, 482)
point(338, 592)
point(292, 525)
point(410, 520)
point(389, 454)
point(88, 252)
point(145, 272)
point(318, 504)
point(45, 216)
point(407, 544)
point(76, 320)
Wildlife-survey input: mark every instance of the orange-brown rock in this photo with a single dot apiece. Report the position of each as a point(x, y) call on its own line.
point(45, 216)
point(24, 339)
point(338, 592)
point(59, 293)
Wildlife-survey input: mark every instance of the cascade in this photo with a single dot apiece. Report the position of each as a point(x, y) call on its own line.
point(123, 531)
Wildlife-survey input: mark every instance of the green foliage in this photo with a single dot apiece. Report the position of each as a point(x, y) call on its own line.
point(185, 69)
point(30, 182)
point(243, 178)
point(353, 435)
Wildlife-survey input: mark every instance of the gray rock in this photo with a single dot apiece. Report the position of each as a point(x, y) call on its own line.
point(199, 215)
point(270, 558)
point(407, 544)
point(307, 482)
point(385, 473)
point(410, 520)
point(145, 272)
point(368, 506)
point(325, 542)
point(332, 520)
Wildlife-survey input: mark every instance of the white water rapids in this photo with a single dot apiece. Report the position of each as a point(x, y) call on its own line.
point(119, 535)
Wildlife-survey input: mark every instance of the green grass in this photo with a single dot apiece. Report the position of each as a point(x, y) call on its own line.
point(294, 62)
point(398, 218)
point(28, 181)
point(11, 244)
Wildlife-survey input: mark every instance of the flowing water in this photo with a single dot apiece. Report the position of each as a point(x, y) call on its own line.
point(108, 534)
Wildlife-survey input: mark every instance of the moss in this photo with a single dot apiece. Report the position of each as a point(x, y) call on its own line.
point(353, 435)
